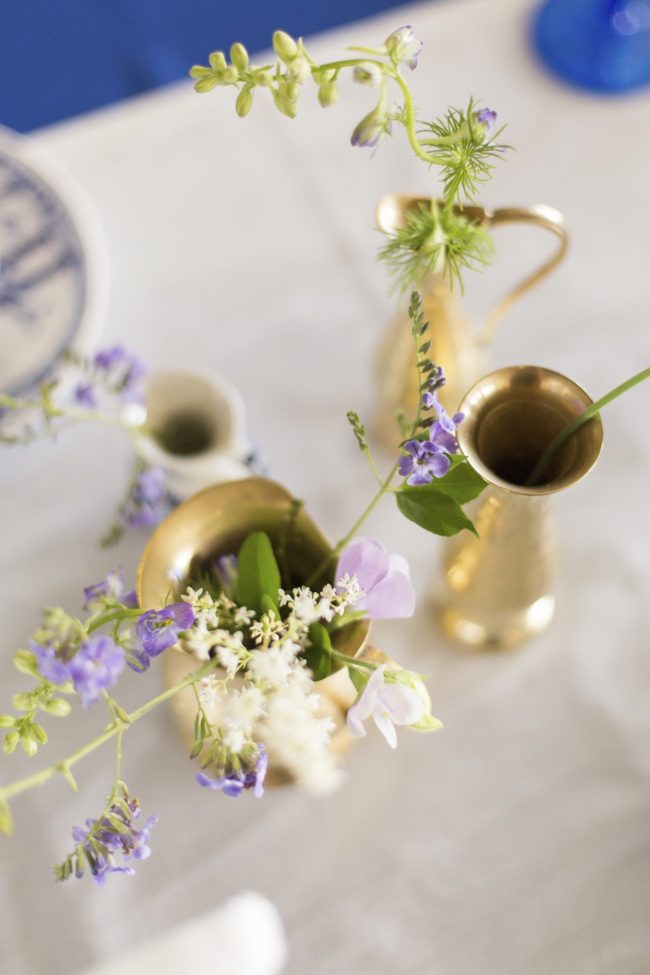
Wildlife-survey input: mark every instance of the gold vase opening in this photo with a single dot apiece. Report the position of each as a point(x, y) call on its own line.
point(215, 522)
point(498, 588)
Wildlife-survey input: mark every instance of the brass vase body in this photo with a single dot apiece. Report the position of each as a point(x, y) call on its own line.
point(498, 588)
point(455, 343)
point(215, 522)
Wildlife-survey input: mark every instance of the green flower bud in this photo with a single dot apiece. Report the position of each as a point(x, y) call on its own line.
point(38, 734)
point(282, 96)
point(7, 721)
point(25, 661)
point(328, 94)
point(30, 747)
point(299, 70)
point(244, 101)
point(206, 84)
point(230, 76)
point(284, 46)
point(239, 56)
point(22, 702)
point(199, 71)
point(217, 61)
point(10, 742)
point(263, 76)
point(58, 707)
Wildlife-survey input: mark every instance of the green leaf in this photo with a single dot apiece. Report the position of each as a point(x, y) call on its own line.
point(432, 510)
point(319, 653)
point(461, 482)
point(258, 574)
point(268, 605)
point(359, 678)
point(427, 723)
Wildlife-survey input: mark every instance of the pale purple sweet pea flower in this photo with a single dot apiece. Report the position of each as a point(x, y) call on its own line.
point(95, 667)
point(157, 630)
point(422, 461)
point(403, 46)
point(385, 579)
point(486, 119)
point(387, 704)
point(234, 783)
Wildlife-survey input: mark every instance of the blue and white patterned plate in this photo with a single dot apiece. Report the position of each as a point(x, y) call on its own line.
point(53, 267)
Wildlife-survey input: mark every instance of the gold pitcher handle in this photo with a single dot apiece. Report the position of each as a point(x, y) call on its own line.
point(540, 216)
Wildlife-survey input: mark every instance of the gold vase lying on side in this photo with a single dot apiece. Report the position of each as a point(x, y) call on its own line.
point(497, 588)
point(455, 343)
point(215, 522)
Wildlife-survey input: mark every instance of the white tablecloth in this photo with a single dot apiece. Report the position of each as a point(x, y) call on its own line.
point(517, 839)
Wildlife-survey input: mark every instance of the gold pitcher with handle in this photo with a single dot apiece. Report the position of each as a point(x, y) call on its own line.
point(455, 343)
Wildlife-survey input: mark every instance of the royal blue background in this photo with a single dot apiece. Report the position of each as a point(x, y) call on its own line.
point(62, 57)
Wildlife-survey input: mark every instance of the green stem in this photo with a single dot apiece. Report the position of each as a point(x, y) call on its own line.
point(409, 121)
point(117, 728)
point(579, 421)
point(104, 618)
point(353, 661)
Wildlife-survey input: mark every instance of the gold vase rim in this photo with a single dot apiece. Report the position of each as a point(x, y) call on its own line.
point(180, 536)
point(495, 385)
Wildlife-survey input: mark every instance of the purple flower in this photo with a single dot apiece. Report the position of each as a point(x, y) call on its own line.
point(403, 46)
point(388, 704)
point(110, 589)
point(50, 666)
point(423, 460)
point(234, 783)
point(148, 499)
point(225, 569)
point(107, 359)
point(95, 667)
point(114, 834)
point(371, 127)
point(385, 579)
point(122, 370)
point(485, 118)
point(84, 394)
point(158, 630)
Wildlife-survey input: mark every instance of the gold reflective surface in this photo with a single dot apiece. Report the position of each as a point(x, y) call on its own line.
point(215, 522)
point(498, 588)
point(455, 343)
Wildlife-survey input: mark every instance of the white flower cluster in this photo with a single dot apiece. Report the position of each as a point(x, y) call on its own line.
point(267, 695)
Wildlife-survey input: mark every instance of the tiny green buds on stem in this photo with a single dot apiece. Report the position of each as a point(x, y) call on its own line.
point(244, 101)
point(7, 721)
point(239, 57)
point(217, 61)
point(10, 742)
point(25, 662)
point(284, 46)
point(368, 74)
point(328, 94)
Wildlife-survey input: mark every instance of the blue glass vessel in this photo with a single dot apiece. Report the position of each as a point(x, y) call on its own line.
point(602, 45)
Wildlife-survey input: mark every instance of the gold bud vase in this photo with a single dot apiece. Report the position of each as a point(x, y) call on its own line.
point(498, 588)
point(215, 522)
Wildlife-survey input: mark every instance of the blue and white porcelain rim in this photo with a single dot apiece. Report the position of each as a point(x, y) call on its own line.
point(82, 213)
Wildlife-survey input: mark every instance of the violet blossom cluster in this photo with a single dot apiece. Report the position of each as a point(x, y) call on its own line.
point(108, 844)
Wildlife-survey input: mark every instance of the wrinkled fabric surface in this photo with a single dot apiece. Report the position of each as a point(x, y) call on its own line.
point(517, 839)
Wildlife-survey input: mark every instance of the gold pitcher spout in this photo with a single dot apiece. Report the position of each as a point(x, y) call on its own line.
point(498, 588)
